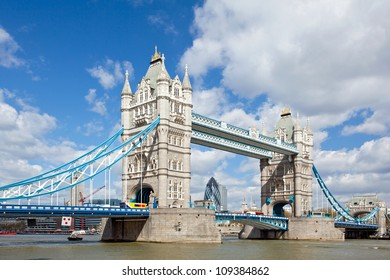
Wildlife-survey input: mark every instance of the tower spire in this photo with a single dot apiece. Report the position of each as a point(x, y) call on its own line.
point(186, 79)
point(126, 87)
point(156, 55)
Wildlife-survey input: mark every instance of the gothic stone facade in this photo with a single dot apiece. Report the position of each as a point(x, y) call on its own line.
point(163, 165)
point(288, 179)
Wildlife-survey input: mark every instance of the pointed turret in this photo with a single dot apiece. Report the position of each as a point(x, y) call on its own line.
point(297, 122)
point(126, 87)
point(163, 75)
point(308, 126)
point(156, 68)
point(285, 126)
point(186, 80)
point(126, 99)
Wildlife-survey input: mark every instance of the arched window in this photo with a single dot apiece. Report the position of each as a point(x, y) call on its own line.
point(176, 92)
point(145, 94)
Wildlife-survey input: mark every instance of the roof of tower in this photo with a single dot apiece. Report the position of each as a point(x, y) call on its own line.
point(156, 67)
point(186, 79)
point(156, 55)
point(286, 111)
point(126, 86)
point(286, 121)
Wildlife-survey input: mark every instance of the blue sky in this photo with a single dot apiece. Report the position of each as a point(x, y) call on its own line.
point(62, 67)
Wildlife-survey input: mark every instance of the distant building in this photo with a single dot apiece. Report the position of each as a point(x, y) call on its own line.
point(217, 194)
point(204, 204)
point(244, 206)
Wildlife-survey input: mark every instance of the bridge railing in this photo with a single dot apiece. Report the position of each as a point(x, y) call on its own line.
point(223, 126)
point(231, 144)
point(8, 210)
point(276, 222)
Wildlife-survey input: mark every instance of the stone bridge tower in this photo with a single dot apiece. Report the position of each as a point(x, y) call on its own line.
point(162, 164)
point(288, 179)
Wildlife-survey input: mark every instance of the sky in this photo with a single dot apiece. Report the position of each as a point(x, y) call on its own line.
point(63, 63)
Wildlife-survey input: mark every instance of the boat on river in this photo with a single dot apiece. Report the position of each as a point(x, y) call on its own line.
point(7, 232)
point(76, 236)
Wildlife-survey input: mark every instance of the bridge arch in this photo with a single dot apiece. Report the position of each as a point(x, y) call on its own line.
point(278, 207)
point(137, 196)
point(360, 213)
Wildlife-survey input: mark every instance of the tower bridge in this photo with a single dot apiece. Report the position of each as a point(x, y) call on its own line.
point(158, 127)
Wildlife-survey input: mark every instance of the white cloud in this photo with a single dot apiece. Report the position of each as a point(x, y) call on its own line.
point(8, 50)
point(326, 59)
point(25, 150)
point(98, 105)
point(205, 162)
point(111, 73)
point(357, 171)
point(211, 102)
point(161, 20)
point(91, 128)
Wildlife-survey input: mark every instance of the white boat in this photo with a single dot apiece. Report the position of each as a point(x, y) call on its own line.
point(76, 235)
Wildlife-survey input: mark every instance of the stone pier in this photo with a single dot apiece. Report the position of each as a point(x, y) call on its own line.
point(166, 225)
point(298, 229)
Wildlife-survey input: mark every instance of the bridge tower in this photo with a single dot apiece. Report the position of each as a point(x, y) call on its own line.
point(162, 163)
point(287, 180)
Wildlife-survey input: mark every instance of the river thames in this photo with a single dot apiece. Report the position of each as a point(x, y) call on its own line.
point(57, 247)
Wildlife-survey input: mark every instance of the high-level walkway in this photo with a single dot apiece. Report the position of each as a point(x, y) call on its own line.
point(223, 136)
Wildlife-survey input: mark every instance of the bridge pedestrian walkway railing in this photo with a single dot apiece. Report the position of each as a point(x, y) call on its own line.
point(231, 145)
point(216, 125)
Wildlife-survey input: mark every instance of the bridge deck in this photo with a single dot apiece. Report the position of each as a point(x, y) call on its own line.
point(258, 221)
point(230, 132)
point(354, 225)
point(7, 210)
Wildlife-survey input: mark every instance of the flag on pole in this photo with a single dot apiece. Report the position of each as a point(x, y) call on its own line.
point(66, 221)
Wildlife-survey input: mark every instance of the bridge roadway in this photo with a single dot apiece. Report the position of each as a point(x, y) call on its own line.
point(259, 221)
point(8, 210)
point(355, 225)
point(11, 210)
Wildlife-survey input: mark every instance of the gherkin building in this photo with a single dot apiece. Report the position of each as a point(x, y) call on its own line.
point(217, 194)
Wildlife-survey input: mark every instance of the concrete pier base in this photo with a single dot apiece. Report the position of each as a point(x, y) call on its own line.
point(165, 225)
point(298, 229)
point(313, 229)
point(250, 232)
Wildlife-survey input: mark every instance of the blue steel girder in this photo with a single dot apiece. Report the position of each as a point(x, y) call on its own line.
point(342, 213)
point(355, 225)
point(259, 221)
point(230, 132)
point(220, 143)
point(8, 210)
point(85, 167)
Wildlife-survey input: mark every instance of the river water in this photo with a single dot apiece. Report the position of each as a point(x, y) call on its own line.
point(57, 247)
